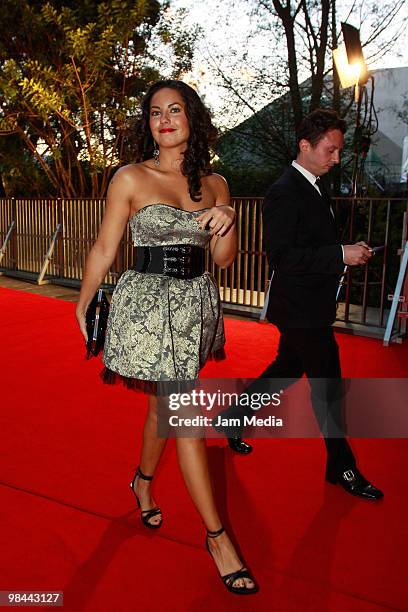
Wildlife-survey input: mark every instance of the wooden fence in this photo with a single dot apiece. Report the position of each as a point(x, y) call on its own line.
point(47, 240)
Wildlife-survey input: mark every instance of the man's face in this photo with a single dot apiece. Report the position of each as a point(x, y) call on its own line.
point(323, 156)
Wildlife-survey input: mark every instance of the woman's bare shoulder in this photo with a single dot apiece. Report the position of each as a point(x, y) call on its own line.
point(216, 180)
point(129, 174)
point(218, 187)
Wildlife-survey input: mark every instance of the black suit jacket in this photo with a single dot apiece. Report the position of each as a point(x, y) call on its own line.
point(303, 250)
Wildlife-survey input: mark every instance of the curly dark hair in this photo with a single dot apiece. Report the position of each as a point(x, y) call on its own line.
point(317, 123)
point(203, 134)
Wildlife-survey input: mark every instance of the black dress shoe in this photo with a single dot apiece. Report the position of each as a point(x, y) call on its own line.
point(239, 446)
point(232, 432)
point(354, 482)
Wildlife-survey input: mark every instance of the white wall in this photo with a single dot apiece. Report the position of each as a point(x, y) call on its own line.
point(391, 88)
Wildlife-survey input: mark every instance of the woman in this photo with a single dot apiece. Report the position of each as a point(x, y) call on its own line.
point(165, 319)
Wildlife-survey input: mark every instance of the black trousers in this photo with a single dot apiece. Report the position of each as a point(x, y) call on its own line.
point(314, 352)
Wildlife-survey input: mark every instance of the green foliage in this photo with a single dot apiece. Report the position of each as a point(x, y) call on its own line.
point(247, 182)
point(72, 73)
point(20, 171)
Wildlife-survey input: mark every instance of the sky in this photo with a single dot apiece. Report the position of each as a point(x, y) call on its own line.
point(223, 42)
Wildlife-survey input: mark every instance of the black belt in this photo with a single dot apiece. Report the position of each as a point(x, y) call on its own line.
point(177, 260)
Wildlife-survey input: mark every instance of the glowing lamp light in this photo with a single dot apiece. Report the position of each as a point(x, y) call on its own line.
point(349, 74)
point(349, 59)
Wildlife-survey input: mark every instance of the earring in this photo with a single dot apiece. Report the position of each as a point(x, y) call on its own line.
point(156, 154)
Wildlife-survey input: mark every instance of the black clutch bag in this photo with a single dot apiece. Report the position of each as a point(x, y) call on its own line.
point(96, 320)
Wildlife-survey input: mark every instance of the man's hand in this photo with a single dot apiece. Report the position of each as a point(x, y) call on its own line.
point(357, 254)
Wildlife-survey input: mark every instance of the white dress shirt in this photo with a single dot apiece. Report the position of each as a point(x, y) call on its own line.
point(308, 175)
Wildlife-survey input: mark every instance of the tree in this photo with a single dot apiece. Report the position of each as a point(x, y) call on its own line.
point(19, 172)
point(72, 72)
point(294, 74)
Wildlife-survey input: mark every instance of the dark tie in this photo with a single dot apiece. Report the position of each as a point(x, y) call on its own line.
point(323, 191)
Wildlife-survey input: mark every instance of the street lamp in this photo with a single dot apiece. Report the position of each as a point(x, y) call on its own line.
point(349, 74)
point(352, 70)
point(349, 58)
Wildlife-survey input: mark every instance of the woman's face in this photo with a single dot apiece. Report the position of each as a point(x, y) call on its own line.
point(168, 120)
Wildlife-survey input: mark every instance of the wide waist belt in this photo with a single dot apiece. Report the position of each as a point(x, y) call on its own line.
point(177, 260)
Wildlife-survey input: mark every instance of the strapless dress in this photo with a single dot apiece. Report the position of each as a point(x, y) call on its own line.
point(160, 328)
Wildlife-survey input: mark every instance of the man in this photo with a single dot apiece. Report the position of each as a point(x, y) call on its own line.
point(307, 260)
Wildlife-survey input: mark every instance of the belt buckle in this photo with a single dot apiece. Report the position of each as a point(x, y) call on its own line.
point(166, 266)
point(349, 475)
point(178, 261)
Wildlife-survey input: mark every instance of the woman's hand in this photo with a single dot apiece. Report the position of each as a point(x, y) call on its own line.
point(80, 316)
point(219, 220)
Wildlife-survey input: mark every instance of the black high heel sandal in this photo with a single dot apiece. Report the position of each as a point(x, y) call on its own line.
point(145, 515)
point(230, 579)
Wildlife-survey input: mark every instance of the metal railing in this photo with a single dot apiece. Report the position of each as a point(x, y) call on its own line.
point(364, 300)
point(51, 238)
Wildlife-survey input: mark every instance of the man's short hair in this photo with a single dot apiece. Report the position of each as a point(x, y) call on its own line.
point(314, 126)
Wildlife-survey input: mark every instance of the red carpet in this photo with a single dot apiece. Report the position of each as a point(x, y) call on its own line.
point(68, 521)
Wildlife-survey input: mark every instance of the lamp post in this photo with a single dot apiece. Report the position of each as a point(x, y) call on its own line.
point(352, 70)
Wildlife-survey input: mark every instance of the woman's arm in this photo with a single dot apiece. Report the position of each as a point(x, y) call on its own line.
point(103, 252)
point(221, 221)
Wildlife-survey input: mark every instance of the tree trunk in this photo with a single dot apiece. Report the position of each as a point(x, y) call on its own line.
point(320, 49)
point(288, 24)
point(336, 176)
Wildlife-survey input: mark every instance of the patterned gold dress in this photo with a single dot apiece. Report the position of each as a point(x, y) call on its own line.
point(162, 328)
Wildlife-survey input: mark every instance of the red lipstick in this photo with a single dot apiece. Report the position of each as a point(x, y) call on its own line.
point(165, 130)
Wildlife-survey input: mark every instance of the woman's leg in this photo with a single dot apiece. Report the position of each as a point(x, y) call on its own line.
point(192, 456)
point(152, 448)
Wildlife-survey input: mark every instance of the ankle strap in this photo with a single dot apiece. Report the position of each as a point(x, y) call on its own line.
point(143, 476)
point(215, 534)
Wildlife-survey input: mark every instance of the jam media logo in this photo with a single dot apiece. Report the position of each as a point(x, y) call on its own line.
point(248, 421)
